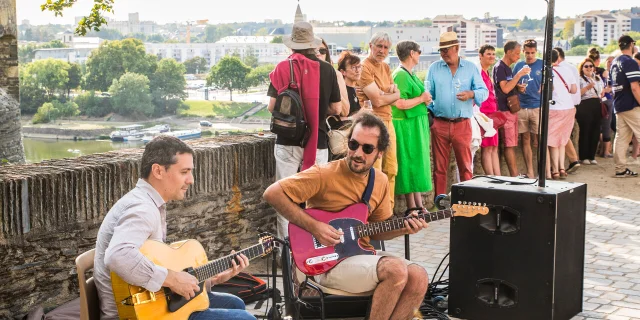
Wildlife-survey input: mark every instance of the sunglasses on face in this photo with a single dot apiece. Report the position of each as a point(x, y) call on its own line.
point(588, 66)
point(444, 50)
point(418, 51)
point(366, 148)
point(530, 42)
point(323, 51)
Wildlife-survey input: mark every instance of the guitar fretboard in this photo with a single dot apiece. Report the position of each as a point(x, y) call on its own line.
point(369, 229)
point(219, 265)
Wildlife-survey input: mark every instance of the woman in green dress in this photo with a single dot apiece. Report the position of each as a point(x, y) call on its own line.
point(410, 118)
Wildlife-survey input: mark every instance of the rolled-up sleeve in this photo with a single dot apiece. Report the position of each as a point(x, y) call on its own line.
point(480, 91)
point(123, 256)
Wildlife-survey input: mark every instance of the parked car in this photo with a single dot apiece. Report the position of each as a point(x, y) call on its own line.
point(205, 123)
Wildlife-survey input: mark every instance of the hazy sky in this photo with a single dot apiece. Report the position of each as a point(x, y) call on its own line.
point(218, 11)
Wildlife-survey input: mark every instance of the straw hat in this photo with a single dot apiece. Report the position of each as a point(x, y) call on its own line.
point(448, 39)
point(302, 37)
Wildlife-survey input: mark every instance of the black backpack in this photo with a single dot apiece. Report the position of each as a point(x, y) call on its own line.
point(288, 119)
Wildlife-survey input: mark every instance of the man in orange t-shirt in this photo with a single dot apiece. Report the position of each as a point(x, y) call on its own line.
point(399, 285)
point(378, 87)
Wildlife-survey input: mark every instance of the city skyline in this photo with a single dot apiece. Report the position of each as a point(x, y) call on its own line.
point(258, 11)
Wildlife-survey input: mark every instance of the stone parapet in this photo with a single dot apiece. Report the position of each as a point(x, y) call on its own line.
point(51, 212)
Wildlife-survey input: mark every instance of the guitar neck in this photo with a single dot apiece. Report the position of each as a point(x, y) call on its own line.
point(370, 229)
point(219, 265)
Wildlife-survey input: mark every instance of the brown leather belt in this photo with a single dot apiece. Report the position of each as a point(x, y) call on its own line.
point(455, 120)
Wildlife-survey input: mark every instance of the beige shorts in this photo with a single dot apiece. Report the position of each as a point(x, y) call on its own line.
point(356, 274)
point(528, 120)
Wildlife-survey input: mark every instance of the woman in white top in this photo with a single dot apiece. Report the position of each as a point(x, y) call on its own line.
point(561, 118)
point(589, 113)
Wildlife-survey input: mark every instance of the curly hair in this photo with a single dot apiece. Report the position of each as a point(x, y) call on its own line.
point(369, 120)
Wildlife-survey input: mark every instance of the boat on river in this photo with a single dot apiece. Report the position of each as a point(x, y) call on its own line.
point(180, 134)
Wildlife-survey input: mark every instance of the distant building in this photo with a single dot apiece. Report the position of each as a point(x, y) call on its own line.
point(427, 37)
point(71, 55)
point(299, 16)
point(601, 27)
point(472, 34)
point(261, 47)
point(133, 25)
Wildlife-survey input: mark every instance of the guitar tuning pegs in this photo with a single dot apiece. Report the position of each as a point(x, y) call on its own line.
point(484, 204)
point(475, 203)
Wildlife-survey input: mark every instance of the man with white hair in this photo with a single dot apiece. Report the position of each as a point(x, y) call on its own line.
point(378, 87)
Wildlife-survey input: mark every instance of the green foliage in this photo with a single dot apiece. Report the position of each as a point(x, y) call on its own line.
point(156, 38)
point(75, 76)
point(130, 95)
point(50, 75)
point(93, 106)
point(262, 32)
point(567, 32)
point(168, 86)
point(31, 97)
point(276, 39)
point(137, 35)
point(250, 58)
point(613, 45)
point(91, 22)
point(107, 34)
point(581, 50)
point(202, 108)
point(115, 58)
point(50, 111)
point(27, 52)
point(426, 22)
point(530, 24)
point(230, 74)
point(260, 75)
point(578, 41)
point(196, 65)
point(213, 33)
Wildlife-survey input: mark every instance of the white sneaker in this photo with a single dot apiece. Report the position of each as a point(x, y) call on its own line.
point(594, 162)
point(585, 161)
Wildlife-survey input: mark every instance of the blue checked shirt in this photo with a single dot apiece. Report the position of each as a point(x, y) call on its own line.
point(442, 86)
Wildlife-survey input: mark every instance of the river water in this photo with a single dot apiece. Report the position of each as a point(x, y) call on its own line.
point(37, 150)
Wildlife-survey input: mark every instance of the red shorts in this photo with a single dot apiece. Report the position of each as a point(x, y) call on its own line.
point(510, 129)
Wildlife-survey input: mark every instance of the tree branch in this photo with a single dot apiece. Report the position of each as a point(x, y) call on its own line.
point(91, 22)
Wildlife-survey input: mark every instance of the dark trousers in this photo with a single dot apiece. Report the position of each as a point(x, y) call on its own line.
point(589, 116)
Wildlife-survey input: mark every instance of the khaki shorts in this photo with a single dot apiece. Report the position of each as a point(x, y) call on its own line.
point(528, 120)
point(355, 274)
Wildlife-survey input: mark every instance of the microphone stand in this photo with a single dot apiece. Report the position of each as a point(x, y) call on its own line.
point(546, 94)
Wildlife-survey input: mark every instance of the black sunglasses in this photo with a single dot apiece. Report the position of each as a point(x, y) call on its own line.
point(588, 66)
point(323, 51)
point(366, 148)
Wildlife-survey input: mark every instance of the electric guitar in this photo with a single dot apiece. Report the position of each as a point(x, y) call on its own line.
point(313, 258)
point(135, 302)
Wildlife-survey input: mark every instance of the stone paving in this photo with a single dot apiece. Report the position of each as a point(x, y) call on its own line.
point(612, 261)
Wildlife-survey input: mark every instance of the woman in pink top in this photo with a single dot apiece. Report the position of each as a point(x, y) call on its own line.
point(490, 159)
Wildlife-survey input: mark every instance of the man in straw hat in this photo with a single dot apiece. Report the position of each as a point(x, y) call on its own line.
point(320, 94)
point(454, 85)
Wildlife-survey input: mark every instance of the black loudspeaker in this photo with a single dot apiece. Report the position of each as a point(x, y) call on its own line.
point(525, 259)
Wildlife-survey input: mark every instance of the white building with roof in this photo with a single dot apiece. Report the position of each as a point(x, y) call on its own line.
point(601, 27)
point(472, 34)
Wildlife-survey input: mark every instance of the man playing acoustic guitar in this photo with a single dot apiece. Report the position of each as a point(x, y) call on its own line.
point(399, 284)
point(166, 170)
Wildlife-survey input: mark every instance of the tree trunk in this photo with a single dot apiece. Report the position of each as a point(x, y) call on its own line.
point(230, 95)
point(11, 148)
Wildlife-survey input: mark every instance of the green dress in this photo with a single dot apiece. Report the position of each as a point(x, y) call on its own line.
point(413, 142)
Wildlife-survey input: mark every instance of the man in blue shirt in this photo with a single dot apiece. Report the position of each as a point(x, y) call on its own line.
point(625, 77)
point(529, 115)
point(455, 84)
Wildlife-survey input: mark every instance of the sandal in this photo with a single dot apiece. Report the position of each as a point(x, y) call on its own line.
point(563, 174)
point(555, 175)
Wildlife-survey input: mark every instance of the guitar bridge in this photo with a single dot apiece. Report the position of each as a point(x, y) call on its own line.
point(140, 298)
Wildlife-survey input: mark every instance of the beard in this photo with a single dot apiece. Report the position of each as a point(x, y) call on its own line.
point(359, 165)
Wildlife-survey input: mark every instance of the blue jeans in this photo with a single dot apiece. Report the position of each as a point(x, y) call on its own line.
point(223, 306)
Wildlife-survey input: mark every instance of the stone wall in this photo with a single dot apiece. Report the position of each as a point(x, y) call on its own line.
point(10, 140)
point(51, 212)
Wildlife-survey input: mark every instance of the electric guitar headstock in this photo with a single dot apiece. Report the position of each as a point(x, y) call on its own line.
point(469, 209)
point(267, 242)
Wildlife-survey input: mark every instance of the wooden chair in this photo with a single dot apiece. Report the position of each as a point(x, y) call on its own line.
point(89, 303)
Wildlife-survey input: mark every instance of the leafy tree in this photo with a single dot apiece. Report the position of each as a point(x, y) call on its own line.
point(130, 95)
point(567, 32)
point(31, 96)
point(156, 38)
point(137, 35)
point(50, 75)
point(250, 59)
point(92, 21)
point(230, 74)
point(27, 52)
point(115, 58)
point(45, 114)
point(276, 39)
point(580, 50)
point(168, 84)
point(75, 76)
point(93, 106)
point(260, 75)
point(349, 46)
point(54, 44)
point(196, 65)
point(611, 47)
point(67, 109)
point(578, 41)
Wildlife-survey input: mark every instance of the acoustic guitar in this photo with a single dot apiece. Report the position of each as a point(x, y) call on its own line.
point(313, 258)
point(135, 302)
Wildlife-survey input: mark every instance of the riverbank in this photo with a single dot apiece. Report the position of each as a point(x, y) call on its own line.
point(65, 133)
